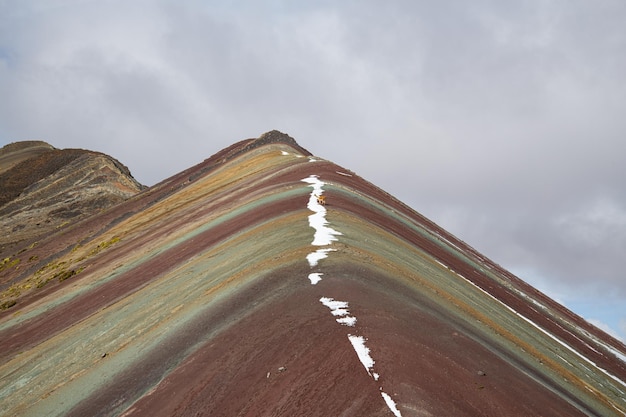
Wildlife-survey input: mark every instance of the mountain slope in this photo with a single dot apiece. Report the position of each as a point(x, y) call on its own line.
point(229, 290)
point(44, 189)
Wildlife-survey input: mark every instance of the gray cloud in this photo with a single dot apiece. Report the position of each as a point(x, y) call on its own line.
point(502, 121)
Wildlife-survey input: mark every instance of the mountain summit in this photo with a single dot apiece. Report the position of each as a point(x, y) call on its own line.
point(266, 281)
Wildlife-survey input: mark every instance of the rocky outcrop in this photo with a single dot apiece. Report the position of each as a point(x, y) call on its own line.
point(45, 189)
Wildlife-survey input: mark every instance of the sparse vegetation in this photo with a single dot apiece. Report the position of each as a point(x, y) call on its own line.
point(41, 283)
point(103, 245)
point(65, 274)
point(8, 263)
point(13, 291)
point(62, 274)
point(10, 294)
point(61, 270)
point(65, 223)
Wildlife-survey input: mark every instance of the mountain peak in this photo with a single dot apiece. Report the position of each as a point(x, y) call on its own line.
point(275, 136)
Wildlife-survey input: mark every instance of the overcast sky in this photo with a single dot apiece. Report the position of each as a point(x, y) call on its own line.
point(502, 121)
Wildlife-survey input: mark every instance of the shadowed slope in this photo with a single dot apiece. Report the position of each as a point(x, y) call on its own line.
point(228, 290)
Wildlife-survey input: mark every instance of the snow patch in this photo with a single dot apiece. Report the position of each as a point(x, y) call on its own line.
point(285, 153)
point(347, 321)
point(391, 404)
point(314, 257)
point(339, 308)
point(363, 352)
point(315, 277)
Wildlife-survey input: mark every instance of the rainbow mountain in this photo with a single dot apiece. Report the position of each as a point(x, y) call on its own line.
point(266, 281)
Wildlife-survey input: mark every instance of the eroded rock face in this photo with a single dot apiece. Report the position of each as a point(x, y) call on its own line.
point(44, 189)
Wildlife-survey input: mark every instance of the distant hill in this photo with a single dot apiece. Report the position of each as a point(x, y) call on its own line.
point(266, 281)
point(43, 189)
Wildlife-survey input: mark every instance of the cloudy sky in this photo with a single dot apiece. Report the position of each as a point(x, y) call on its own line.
point(503, 121)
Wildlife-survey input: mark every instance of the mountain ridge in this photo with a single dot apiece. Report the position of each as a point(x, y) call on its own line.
point(208, 294)
point(43, 188)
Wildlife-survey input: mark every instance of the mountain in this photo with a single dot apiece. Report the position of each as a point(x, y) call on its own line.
point(43, 189)
point(265, 281)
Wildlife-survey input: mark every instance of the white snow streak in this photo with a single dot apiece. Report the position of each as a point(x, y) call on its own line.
point(347, 321)
point(574, 351)
point(324, 236)
point(619, 355)
point(315, 183)
point(552, 336)
point(339, 308)
point(391, 404)
point(358, 343)
point(285, 153)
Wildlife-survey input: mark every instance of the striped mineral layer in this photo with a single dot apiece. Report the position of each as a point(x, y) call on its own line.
point(268, 282)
